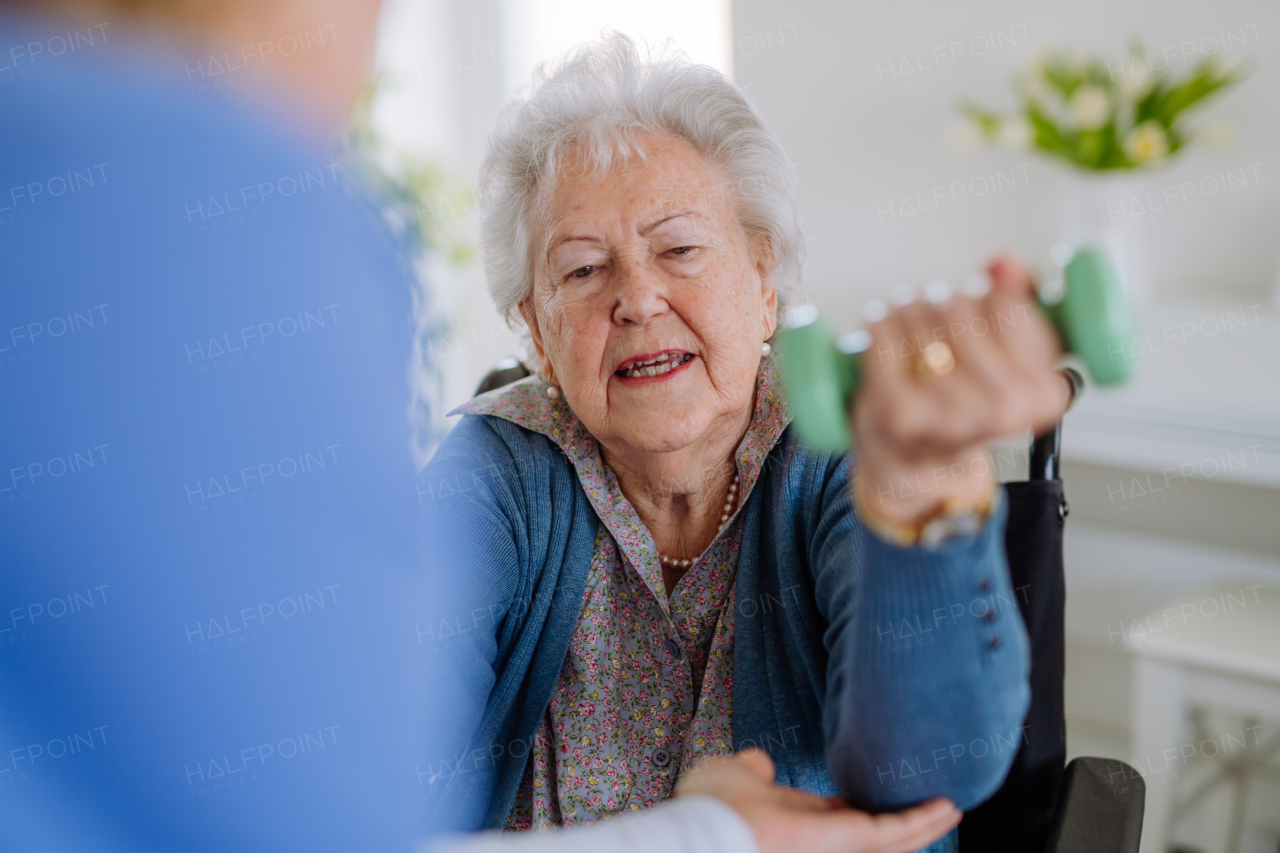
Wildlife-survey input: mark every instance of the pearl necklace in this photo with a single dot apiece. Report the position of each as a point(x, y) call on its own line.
point(726, 511)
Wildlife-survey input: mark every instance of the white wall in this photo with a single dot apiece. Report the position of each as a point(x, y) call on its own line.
point(864, 132)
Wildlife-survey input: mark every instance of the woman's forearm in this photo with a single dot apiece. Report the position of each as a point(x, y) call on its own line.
point(690, 824)
point(928, 675)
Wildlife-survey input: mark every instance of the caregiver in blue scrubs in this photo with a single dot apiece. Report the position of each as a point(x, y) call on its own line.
point(212, 562)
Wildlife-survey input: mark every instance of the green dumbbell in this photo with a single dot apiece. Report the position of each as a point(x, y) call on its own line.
point(820, 373)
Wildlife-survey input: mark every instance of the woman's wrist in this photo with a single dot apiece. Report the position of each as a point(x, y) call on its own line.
point(920, 503)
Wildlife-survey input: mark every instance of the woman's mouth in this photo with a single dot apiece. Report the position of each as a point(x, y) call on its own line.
point(659, 365)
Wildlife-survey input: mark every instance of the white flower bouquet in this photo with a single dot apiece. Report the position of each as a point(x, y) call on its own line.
point(1102, 117)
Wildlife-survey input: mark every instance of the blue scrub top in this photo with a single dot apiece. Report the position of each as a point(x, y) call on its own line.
point(212, 560)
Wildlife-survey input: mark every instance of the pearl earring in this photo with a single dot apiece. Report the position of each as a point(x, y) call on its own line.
point(765, 348)
point(553, 390)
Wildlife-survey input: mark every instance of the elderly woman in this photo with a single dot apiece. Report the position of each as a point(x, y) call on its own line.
point(672, 576)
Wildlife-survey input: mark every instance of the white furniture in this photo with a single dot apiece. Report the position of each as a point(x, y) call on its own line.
point(1217, 648)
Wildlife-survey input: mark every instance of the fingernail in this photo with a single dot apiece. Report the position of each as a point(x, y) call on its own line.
point(874, 311)
point(1061, 254)
point(938, 291)
point(977, 285)
point(903, 294)
point(851, 343)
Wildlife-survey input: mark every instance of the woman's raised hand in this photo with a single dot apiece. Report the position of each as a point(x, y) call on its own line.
point(944, 375)
point(784, 820)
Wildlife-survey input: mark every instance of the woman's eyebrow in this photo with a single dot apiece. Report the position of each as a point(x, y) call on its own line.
point(645, 231)
point(677, 214)
point(572, 238)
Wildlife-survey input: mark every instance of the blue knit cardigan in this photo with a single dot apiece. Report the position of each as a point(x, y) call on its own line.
point(884, 673)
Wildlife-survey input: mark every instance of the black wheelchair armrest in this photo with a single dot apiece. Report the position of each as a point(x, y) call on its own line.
point(504, 373)
point(1099, 808)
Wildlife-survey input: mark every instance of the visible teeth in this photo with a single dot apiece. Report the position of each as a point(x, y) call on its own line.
point(662, 364)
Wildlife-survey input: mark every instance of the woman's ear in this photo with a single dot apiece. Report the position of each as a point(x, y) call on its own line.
point(535, 331)
point(769, 306)
point(764, 258)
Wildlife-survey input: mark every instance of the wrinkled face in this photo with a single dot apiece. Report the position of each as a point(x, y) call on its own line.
point(650, 304)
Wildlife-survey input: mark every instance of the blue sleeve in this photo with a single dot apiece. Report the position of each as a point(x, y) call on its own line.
point(927, 680)
point(212, 563)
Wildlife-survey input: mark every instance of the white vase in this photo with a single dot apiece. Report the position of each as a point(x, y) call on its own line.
point(1111, 212)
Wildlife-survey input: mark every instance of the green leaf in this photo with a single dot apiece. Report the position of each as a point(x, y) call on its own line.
point(1182, 97)
point(988, 122)
point(1149, 106)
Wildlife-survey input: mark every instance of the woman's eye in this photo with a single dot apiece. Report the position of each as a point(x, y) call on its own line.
point(682, 250)
point(582, 272)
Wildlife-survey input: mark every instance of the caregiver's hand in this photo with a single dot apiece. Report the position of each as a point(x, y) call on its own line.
point(785, 819)
point(944, 376)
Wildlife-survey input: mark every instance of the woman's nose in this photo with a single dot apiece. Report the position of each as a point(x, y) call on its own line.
point(639, 293)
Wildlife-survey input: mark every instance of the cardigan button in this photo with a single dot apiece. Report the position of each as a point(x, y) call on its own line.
point(673, 648)
point(660, 757)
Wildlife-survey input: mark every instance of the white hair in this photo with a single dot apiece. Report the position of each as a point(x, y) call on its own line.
point(600, 101)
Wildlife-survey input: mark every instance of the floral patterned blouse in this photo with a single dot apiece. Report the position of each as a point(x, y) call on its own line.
point(647, 685)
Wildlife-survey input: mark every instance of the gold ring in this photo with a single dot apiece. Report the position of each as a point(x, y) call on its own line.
point(936, 359)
